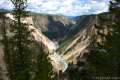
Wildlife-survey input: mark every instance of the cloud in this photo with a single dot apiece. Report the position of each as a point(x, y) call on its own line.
point(64, 7)
point(6, 4)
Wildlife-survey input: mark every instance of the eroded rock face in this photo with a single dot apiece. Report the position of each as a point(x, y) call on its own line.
point(53, 26)
point(94, 30)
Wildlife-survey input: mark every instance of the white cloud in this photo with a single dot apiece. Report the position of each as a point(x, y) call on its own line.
point(65, 7)
point(6, 4)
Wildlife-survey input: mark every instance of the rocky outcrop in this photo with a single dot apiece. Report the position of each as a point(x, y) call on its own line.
point(94, 30)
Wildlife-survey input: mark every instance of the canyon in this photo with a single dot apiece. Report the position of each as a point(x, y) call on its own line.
point(67, 40)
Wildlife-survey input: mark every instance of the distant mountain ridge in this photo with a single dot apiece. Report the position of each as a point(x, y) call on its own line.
point(4, 11)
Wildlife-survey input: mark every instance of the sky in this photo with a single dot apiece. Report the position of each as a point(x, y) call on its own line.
point(63, 7)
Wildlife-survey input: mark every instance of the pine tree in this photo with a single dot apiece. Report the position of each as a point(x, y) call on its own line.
point(19, 49)
point(20, 54)
point(19, 58)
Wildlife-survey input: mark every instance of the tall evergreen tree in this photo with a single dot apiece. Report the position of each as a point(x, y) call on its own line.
point(19, 57)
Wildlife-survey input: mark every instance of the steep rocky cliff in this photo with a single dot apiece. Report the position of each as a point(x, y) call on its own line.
point(74, 36)
point(88, 29)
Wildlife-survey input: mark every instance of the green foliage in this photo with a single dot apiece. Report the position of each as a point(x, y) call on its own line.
point(43, 67)
point(101, 64)
point(107, 62)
